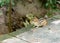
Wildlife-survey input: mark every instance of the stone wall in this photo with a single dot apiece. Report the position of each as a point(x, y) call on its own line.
point(25, 7)
point(3, 27)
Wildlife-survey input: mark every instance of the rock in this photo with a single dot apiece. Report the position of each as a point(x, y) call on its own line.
point(3, 27)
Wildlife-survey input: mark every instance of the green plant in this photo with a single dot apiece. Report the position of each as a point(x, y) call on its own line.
point(51, 4)
point(58, 2)
point(49, 13)
point(26, 23)
point(30, 16)
point(6, 2)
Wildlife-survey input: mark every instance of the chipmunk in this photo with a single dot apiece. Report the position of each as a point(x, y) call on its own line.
point(38, 23)
point(33, 20)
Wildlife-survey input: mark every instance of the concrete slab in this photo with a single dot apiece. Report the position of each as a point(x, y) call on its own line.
point(46, 34)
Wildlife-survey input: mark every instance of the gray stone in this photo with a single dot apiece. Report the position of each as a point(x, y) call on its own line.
point(46, 34)
point(3, 27)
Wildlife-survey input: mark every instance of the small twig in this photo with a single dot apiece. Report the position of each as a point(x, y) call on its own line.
point(9, 18)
